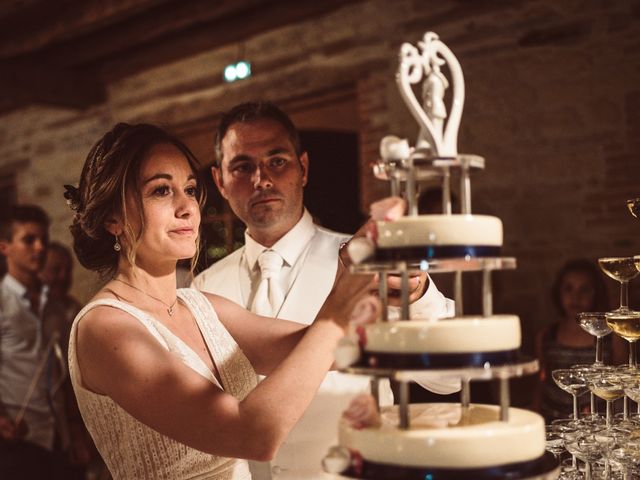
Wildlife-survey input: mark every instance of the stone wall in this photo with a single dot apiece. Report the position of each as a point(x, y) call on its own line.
point(553, 90)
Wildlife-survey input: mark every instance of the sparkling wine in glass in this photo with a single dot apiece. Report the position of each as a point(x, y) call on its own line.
point(609, 388)
point(595, 323)
point(621, 269)
point(626, 323)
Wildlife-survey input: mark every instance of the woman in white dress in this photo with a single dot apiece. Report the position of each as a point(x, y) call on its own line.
point(165, 378)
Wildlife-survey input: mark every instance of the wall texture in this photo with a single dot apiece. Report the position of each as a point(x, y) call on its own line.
point(553, 95)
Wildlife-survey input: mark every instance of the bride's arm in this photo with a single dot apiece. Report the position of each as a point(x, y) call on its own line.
point(117, 357)
point(267, 341)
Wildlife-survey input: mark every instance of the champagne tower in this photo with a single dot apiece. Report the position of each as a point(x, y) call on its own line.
point(437, 441)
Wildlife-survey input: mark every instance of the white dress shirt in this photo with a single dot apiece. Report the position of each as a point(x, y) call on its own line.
point(292, 247)
point(21, 349)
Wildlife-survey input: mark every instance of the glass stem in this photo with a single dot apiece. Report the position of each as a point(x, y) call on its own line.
point(609, 413)
point(575, 406)
point(632, 355)
point(624, 295)
point(593, 404)
point(625, 408)
point(587, 471)
point(599, 361)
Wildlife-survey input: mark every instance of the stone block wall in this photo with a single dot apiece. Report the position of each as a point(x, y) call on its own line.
point(553, 90)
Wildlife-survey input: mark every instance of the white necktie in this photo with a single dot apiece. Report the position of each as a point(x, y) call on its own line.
point(269, 295)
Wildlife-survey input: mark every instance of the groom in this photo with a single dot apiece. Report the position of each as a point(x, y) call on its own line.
point(261, 171)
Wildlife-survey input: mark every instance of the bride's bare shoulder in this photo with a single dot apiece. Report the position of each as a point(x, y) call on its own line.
point(106, 321)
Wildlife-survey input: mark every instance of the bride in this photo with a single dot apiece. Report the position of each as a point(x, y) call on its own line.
point(165, 378)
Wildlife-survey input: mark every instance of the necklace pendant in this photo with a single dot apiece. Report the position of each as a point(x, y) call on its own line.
point(170, 311)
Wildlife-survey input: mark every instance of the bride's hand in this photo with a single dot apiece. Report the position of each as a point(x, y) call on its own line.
point(348, 288)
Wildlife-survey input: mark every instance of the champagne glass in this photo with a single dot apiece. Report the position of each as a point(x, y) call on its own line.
point(628, 455)
point(595, 323)
point(554, 441)
point(608, 440)
point(634, 207)
point(621, 269)
point(629, 378)
point(626, 323)
point(586, 447)
point(632, 391)
point(609, 388)
point(573, 382)
point(588, 371)
point(565, 428)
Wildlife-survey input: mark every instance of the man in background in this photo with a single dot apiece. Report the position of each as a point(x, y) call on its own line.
point(57, 274)
point(35, 414)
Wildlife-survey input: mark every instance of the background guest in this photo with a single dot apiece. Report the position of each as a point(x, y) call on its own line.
point(578, 287)
point(36, 416)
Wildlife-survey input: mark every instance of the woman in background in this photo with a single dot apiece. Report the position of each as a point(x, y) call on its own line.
point(578, 287)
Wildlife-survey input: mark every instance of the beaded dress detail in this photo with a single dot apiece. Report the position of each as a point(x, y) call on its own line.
point(132, 450)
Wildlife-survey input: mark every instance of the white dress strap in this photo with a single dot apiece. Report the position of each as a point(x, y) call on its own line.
point(161, 333)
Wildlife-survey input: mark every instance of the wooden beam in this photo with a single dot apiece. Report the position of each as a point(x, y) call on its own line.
point(138, 28)
point(178, 30)
point(41, 23)
point(23, 83)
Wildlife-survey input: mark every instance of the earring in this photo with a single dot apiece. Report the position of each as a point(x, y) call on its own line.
point(116, 246)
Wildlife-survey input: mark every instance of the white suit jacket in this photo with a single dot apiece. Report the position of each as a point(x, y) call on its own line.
point(301, 455)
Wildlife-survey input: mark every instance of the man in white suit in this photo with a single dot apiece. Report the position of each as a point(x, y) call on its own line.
point(261, 171)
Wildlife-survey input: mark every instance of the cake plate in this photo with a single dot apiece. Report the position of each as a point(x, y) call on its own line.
point(458, 265)
point(544, 468)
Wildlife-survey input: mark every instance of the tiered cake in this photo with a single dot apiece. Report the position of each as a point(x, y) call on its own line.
point(440, 440)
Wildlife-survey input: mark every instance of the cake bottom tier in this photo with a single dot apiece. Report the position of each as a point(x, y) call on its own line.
point(445, 438)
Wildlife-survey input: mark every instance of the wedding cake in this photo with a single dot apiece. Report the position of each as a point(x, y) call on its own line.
point(437, 441)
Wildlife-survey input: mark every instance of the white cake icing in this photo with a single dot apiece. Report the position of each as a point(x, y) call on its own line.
point(440, 437)
point(455, 335)
point(442, 230)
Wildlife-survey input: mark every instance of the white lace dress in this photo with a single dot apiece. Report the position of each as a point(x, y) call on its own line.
point(132, 450)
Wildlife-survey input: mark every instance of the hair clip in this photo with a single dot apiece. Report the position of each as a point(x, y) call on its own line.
point(72, 195)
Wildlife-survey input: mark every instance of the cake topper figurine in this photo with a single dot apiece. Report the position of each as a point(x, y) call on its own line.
point(435, 68)
point(416, 66)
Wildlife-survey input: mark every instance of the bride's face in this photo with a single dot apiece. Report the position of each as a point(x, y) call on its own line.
point(168, 191)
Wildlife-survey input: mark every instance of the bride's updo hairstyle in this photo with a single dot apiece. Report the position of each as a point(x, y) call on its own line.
point(112, 170)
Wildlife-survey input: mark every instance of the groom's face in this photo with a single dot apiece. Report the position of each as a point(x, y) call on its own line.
point(261, 175)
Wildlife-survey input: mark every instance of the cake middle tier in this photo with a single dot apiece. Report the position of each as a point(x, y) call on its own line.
point(439, 236)
point(470, 341)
